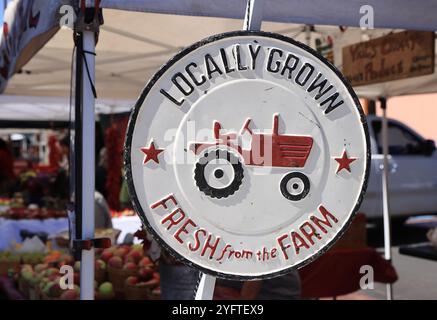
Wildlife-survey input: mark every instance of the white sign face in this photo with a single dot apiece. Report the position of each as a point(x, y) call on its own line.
point(247, 155)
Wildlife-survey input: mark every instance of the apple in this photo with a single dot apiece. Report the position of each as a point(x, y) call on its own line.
point(100, 264)
point(145, 262)
point(153, 283)
point(137, 246)
point(53, 277)
point(26, 268)
point(127, 247)
point(134, 256)
point(55, 290)
point(51, 271)
point(76, 266)
point(42, 283)
point(131, 281)
point(106, 255)
point(27, 274)
point(66, 259)
point(70, 294)
point(116, 262)
point(40, 267)
point(76, 278)
point(130, 266)
point(121, 252)
point(156, 276)
point(111, 249)
point(47, 286)
point(106, 290)
point(77, 289)
point(145, 274)
point(37, 278)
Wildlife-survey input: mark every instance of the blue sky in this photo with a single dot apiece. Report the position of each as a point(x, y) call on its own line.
point(2, 5)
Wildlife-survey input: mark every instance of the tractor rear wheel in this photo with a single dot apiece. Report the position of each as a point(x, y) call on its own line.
point(218, 173)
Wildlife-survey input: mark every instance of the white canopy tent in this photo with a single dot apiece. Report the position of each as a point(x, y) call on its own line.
point(26, 108)
point(132, 46)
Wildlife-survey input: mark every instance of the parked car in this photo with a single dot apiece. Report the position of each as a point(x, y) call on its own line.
point(412, 171)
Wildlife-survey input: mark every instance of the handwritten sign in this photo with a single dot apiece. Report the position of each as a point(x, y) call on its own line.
point(391, 57)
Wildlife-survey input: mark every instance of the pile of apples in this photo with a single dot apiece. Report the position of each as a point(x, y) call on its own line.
point(140, 268)
point(44, 275)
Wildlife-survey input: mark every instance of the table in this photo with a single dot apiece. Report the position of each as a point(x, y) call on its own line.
point(420, 250)
point(10, 229)
point(128, 224)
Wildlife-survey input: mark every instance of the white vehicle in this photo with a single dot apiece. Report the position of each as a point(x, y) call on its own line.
point(412, 171)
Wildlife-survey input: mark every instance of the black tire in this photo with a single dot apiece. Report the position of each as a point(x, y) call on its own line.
point(299, 195)
point(199, 174)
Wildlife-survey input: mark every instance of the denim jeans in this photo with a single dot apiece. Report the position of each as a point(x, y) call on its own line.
point(178, 282)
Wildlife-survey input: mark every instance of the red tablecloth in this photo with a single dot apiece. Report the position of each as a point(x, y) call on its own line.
point(337, 272)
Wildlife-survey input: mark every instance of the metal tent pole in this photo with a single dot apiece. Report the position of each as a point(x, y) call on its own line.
point(254, 15)
point(385, 193)
point(252, 22)
point(86, 29)
point(205, 290)
point(88, 166)
point(307, 35)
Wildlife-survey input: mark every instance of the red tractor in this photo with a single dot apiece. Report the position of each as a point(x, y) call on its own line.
point(219, 172)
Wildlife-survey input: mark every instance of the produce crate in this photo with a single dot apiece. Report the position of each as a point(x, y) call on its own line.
point(100, 276)
point(24, 287)
point(34, 293)
point(118, 278)
point(136, 293)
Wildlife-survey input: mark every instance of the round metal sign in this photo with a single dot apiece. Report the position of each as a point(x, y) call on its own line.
point(247, 154)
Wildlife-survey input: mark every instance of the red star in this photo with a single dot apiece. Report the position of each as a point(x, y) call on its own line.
point(344, 162)
point(151, 153)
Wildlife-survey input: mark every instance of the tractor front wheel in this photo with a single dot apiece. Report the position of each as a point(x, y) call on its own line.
point(295, 186)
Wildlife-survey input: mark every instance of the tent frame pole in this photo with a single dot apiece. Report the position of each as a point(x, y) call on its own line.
point(205, 289)
point(86, 31)
point(254, 15)
point(77, 167)
point(252, 22)
point(88, 167)
point(386, 193)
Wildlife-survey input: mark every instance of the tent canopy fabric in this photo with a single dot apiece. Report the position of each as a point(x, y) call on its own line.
point(25, 108)
point(133, 45)
point(395, 14)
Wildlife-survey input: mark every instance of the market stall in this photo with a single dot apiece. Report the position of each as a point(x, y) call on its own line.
point(122, 272)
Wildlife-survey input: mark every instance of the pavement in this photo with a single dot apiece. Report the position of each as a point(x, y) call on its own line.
point(417, 276)
point(417, 279)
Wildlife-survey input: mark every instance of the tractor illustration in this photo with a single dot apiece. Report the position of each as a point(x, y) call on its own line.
point(219, 171)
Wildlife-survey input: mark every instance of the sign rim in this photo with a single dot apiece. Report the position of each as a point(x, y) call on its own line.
point(131, 126)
